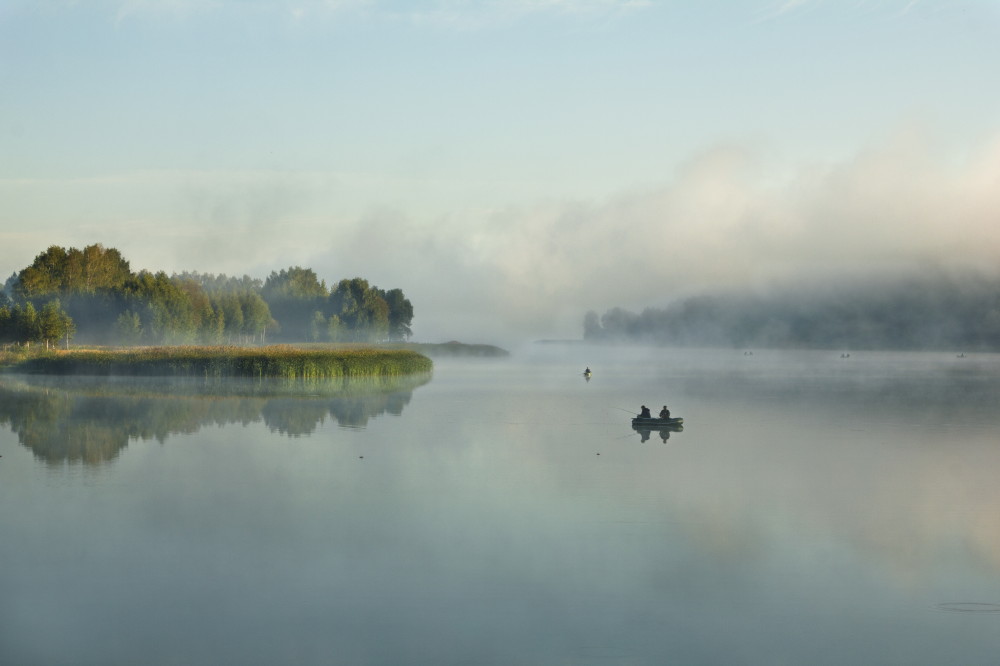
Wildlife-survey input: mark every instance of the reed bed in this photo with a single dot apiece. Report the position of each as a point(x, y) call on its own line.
point(279, 361)
point(152, 386)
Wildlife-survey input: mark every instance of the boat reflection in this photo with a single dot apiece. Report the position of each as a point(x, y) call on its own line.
point(90, 420)
point(663, 431)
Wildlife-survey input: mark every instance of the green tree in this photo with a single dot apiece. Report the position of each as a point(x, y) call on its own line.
point(363, 312)
point(318, 329)
point(93, 268)
point(215, 328)
point(166, 311)
point(204, 320)
point(400, 314)
point(292, 296)
point(58, 271)
point(128, 328)
point(232, 311)
point(45, 274)
point(256, 315)
point(334, 329)
point(26, 323)
point(376, 317)
point(54, 323)
point(7, 333)
point(295, 283)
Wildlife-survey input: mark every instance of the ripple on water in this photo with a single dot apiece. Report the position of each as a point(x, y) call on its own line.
point(969, 607)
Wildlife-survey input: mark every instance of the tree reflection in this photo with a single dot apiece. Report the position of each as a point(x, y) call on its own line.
point(89, 420)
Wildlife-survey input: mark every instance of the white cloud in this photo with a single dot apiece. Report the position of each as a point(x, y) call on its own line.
point(441, 13)
point(726, 218)
point(722, 222)
point(889, 8)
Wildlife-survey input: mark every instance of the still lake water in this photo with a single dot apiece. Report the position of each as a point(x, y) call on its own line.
point(814, 510)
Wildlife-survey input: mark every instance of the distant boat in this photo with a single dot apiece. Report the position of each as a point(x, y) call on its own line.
point(656, 423)
point(587, 373)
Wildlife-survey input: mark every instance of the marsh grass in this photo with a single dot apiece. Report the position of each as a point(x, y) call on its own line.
point(154, 386)
point(279, 361)
point(452, 349)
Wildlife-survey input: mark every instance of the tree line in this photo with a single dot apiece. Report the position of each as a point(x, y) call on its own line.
point(935, 311)
point(93, 296)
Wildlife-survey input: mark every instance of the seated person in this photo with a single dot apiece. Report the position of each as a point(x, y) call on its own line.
point(644, 413)
point(664, 413)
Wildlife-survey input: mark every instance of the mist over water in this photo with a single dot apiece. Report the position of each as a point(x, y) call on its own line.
point(506, 512)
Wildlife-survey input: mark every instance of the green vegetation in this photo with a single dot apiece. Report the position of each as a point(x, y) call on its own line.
point(284, 362)
point(933, 311)
point(93, 296)
point(454, 349)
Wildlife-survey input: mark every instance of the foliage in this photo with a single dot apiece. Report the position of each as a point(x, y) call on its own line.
point(925, 312)
point(366, 313)
point(60, 271)
point(294, 296)
point(102, 301)
point(54, 323)
point(295, 283)
point(25, 324)
point(277, 361)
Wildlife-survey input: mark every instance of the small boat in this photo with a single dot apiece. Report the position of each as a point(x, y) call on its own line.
point(655, 423)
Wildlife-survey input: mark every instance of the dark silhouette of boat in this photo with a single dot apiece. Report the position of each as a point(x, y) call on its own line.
point(657, 423)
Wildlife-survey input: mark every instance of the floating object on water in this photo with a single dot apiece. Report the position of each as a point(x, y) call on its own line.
point(654, 423)
point(969, 607)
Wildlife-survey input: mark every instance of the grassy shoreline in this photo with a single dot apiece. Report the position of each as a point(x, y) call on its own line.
point(281, 361)
point(452, 349)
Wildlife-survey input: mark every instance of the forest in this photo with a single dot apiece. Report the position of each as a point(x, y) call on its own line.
point(92, 296)
point(934, 311)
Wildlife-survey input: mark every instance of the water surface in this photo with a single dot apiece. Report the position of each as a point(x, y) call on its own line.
point(814, 509)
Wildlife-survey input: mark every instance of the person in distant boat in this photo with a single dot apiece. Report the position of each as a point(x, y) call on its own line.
point(644, 413)
point(587, 371)
point(664, 413)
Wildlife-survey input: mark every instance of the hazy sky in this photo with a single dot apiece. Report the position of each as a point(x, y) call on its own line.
point(508, 164)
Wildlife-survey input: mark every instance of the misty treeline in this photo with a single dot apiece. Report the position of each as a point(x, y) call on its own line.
point(92, 296)
point(937, 311)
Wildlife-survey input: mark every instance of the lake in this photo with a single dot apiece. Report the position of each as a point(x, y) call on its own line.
point(815, 509)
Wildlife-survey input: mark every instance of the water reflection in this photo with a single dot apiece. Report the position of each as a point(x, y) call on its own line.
point(90, 420)
point(849, 505)
point(663, 432)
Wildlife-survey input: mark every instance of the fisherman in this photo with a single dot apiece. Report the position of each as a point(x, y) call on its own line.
point(644, 413)
point(664, 413)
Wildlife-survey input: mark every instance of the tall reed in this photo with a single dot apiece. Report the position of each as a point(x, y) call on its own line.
point(280, 361)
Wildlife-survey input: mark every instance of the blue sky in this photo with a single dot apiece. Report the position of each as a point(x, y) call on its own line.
point(513, 164)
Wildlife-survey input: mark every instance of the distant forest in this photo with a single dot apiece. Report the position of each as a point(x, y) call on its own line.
point(92, 296)
point(926, 312)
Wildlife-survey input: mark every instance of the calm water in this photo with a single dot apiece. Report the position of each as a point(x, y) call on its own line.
point(814, 510)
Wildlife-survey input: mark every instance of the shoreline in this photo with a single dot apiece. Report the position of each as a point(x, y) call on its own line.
point(281, 361)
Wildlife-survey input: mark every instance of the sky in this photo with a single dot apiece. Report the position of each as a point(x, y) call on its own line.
point(509, 164)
